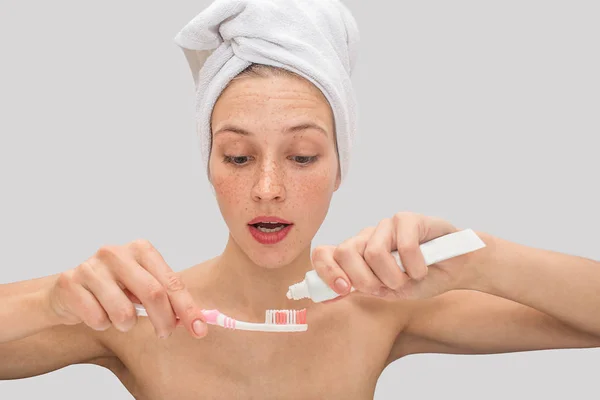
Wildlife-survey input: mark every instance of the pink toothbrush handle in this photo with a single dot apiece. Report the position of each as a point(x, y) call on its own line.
point(212, 317)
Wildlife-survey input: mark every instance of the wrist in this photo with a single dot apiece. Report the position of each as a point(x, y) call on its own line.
point(41, 299)
point(480, 263)
point(26, 310)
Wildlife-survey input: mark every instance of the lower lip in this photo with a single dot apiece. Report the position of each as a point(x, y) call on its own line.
point(269, 237)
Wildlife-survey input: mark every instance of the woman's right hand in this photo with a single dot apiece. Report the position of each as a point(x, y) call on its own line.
point(101, 291)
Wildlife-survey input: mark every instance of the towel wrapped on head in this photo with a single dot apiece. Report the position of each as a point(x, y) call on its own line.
point(316, 39)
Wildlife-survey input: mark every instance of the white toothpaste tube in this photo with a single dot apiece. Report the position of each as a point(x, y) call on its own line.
point(434, 251)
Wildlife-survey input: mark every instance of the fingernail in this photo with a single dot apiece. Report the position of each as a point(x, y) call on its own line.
point(199, 328)
point(341, 285)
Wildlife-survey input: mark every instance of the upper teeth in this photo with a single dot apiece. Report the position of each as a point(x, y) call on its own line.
point(275, 229)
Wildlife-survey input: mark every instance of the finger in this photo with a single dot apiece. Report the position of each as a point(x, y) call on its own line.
point(329, 270)
point(132, 297)
point(111, 297)
point(181, 299)
point(85, 305)
point(409, 231)
point(378, 255)
point(143, 285)
point(348, 256)
point(433, 227)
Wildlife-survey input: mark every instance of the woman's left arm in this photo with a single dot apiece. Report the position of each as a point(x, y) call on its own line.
point(505, 297)
point(564, 286)
point(516, 298)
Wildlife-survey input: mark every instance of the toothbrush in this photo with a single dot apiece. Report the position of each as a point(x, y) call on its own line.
point(275, 320)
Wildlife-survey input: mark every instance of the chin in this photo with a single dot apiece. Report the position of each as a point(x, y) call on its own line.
point(272, 256)
point(268, 258)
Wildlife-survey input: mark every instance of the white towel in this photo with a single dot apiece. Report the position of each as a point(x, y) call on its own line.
point(316, 39)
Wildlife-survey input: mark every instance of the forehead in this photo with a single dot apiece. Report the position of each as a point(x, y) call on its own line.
point(271, 100)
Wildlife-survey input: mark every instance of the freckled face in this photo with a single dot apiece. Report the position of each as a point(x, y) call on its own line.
point(273, 154)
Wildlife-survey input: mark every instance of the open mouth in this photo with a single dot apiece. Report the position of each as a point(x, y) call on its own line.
point(270, 227)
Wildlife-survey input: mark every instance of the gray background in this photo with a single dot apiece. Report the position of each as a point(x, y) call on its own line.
point(484, 113)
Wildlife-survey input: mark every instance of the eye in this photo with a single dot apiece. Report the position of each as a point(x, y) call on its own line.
point(236, 160)
point(304, 160)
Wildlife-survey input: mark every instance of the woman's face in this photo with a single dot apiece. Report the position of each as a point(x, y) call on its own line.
point(273, 160)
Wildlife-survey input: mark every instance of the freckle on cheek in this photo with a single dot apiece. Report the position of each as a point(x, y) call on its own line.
point(228, 189)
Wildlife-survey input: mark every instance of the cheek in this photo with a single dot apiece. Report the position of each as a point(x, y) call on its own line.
point(229, 189)
point(315, 188)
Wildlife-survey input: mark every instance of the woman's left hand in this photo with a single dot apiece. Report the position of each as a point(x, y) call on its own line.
point(365, 261)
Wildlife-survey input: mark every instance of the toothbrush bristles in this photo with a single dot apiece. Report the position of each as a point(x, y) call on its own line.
point(286, 317)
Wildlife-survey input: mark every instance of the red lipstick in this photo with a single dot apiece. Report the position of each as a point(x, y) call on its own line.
point(269, 229)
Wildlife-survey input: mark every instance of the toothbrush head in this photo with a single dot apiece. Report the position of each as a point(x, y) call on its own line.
point(286, 317)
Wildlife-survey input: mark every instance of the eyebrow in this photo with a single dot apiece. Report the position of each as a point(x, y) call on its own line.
point(295, 128)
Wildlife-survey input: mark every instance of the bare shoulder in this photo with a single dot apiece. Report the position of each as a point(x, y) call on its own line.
point(386, 318)
point(393, 317)
point(375, 324)
point(196, 274)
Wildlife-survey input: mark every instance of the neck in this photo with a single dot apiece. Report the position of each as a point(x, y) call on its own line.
point(248, 289)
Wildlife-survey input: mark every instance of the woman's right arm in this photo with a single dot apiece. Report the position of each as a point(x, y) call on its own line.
point(33, 340)
point(45, 323)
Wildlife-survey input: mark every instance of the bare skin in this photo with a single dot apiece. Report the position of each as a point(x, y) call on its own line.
point(349, 343)
point(246, 279)
point(504, 298)
point(343, 352)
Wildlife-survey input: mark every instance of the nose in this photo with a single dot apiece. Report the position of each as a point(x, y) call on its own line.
point(269, 183)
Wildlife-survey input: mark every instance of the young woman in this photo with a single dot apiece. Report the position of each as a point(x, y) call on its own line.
point(274, 160)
